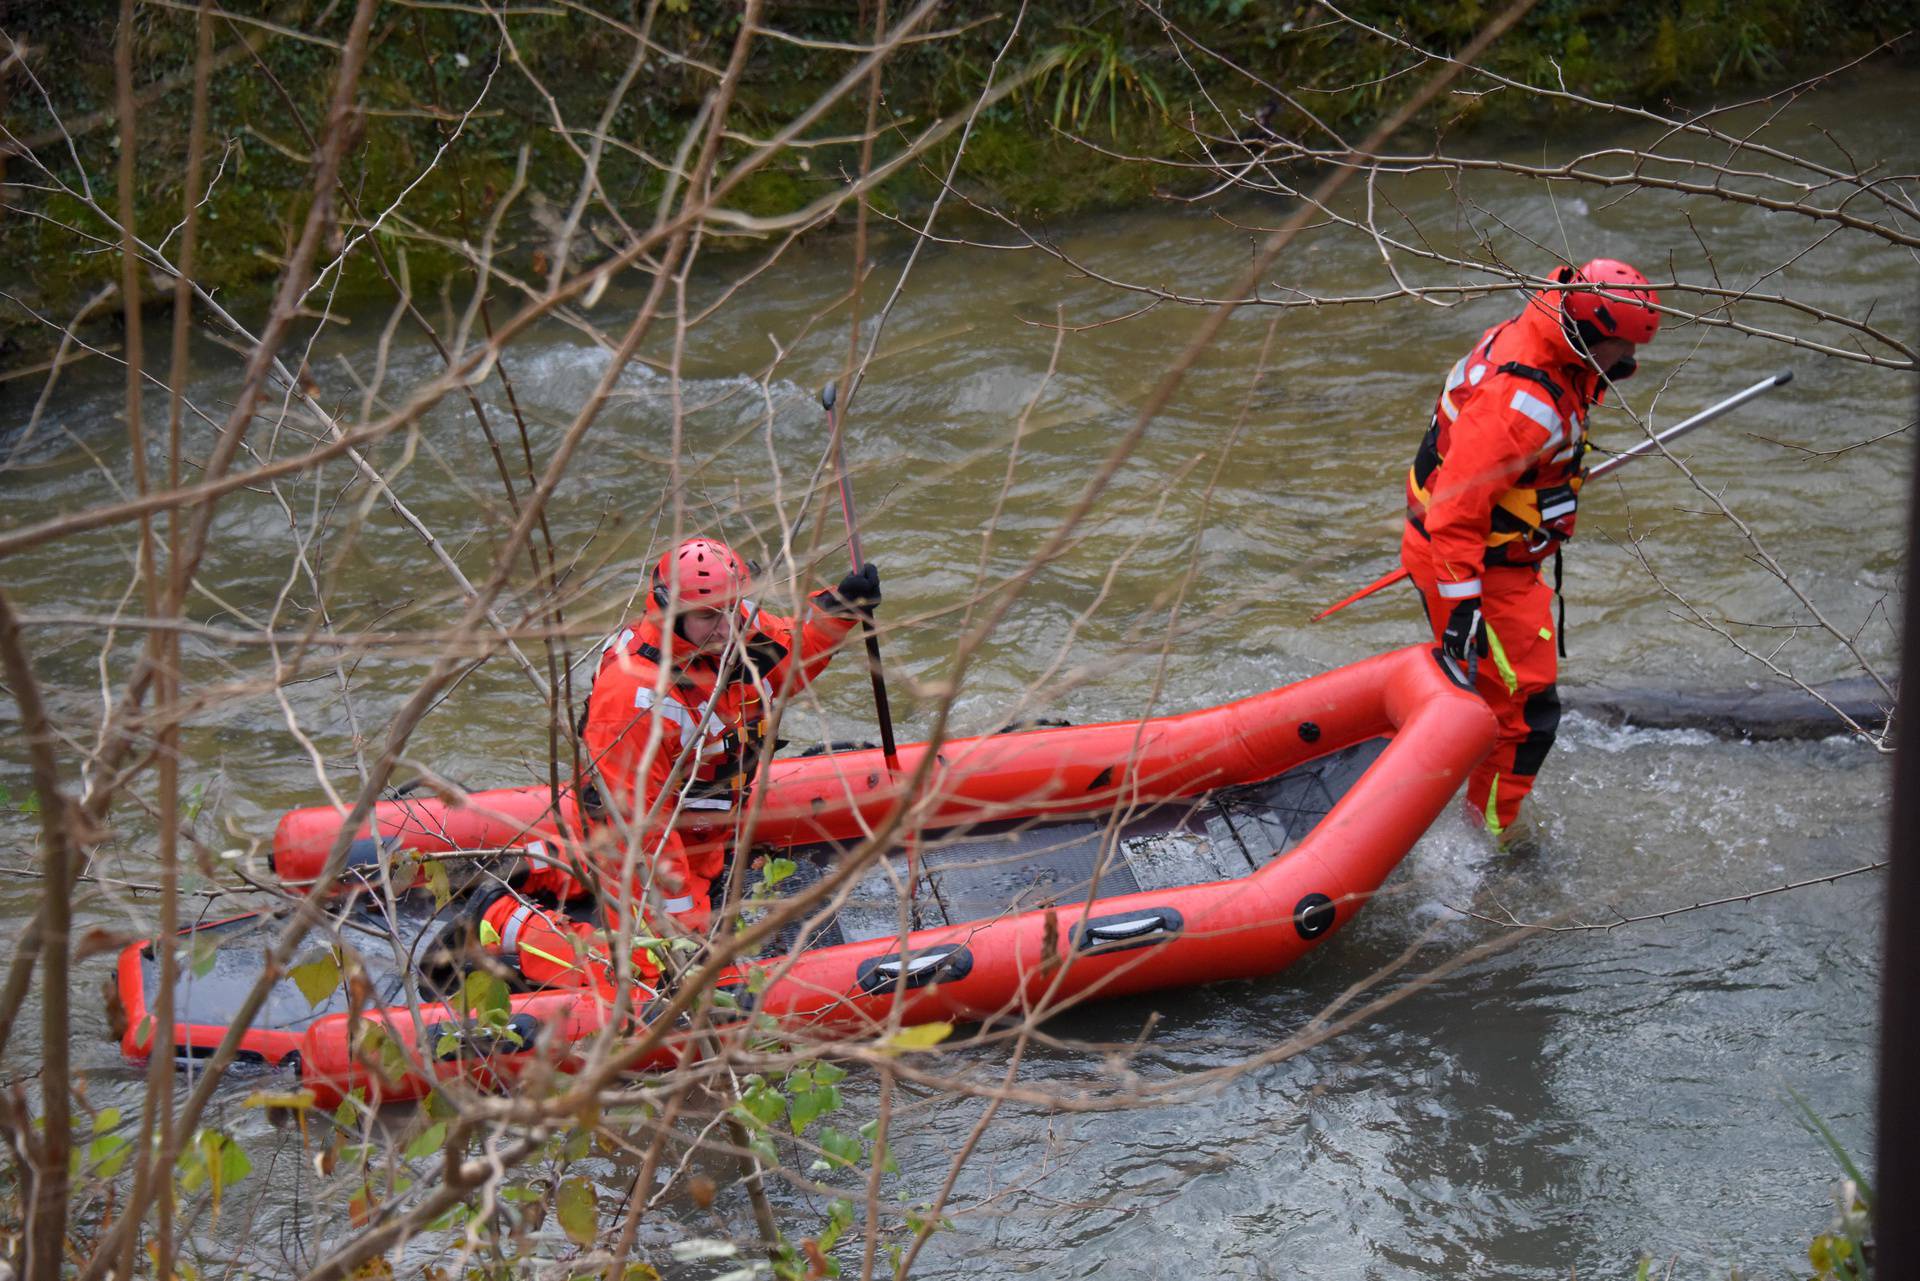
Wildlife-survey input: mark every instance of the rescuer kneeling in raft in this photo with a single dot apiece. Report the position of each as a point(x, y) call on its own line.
point(1493, 493)
point(676, 721)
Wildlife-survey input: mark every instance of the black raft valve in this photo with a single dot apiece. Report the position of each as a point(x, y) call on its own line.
point(1309, 732)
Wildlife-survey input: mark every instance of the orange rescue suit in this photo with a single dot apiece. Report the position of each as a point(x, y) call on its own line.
point(709, 716)
point(1494, 491)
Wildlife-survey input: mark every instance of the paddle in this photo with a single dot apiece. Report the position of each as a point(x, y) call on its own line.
point(827, 401)
point(1612, 464)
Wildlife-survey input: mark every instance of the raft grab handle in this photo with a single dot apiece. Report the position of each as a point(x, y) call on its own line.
point(1128, 930)
point(881, 974)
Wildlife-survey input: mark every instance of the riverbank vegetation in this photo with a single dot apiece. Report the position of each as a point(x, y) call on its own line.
point(470, 176)
point(456, 99)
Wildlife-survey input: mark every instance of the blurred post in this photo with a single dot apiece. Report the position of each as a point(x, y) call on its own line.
point(1896, 1183)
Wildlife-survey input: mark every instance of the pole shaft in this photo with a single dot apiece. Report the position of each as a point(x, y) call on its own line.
point(882, 707)
point(1680, 429)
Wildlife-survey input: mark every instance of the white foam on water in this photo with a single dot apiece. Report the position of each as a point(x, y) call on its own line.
point(1578, 731)
point(1445, 871)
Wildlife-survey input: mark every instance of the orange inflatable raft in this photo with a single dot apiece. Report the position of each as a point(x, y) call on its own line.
point(1059, 863)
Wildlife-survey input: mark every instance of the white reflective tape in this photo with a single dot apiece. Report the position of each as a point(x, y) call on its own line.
point(1538, 410)
point(618, 644)
point(1447, 407)
point(682, 904)
point(665, 708)
point(708, 803)
point(1558, 510)
point(1459, 591)
point(1475, 374)
point(1458, 374)
point(510, 936)
point(537, 854)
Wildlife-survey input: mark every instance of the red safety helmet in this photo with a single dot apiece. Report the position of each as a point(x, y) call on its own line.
point(704, 573)
point(1626, 308)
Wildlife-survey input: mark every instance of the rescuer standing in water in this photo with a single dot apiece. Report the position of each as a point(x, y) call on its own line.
point(1493, 493)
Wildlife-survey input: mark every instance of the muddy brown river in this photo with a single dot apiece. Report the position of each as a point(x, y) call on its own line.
point(1564, 1106)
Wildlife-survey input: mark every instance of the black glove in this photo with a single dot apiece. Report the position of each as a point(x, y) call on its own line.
point(857, 596)
point(1465, 638)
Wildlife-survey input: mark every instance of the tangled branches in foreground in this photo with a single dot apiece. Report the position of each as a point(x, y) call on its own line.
point(360, 517)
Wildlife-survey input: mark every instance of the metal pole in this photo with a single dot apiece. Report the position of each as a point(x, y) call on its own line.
point(1680, 429)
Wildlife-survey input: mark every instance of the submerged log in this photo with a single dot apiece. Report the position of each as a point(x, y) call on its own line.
point(1763, 712)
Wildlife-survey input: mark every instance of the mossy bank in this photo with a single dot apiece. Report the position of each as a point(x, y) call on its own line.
point(452, 98)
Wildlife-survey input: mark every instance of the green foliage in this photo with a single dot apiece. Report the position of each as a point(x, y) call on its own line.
point(1096, 66)
point(578, 1210)
point(317, 979)
point(1843, 1252)
point(29, 805)
point(106, 1152)
point(213, 1160)
point(1110, 68)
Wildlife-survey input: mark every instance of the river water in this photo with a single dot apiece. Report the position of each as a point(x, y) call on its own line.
point(1564, 1105)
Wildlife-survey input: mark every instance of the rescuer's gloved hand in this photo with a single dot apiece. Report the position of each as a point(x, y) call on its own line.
point(545, 872)
point(1465, 638)
point(857, 596)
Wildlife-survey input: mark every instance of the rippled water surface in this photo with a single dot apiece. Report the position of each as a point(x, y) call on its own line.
point(1569, 1102)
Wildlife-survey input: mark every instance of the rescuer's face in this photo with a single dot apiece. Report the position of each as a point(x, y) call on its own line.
point(707, 629)
point(1609, 352)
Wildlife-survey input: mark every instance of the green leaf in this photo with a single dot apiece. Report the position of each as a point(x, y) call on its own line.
point(806, 1105)
point(32, 804)
point(578, 1210)
point(381, 1051)
point(213, 1160)
point(105, 1119)
point(484, 997)
point(923, 1036)
point(234, 1164)
point(294, 1100)
point(434, 872)
point(201, 947)
point(108, 1153)
point(317, 979)
point(430, 1141)
point(1819, 1127)
point(760, 1102)
point(842, 1149)
point(839, 1219)
point(775, 871)
point(828, 1073)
